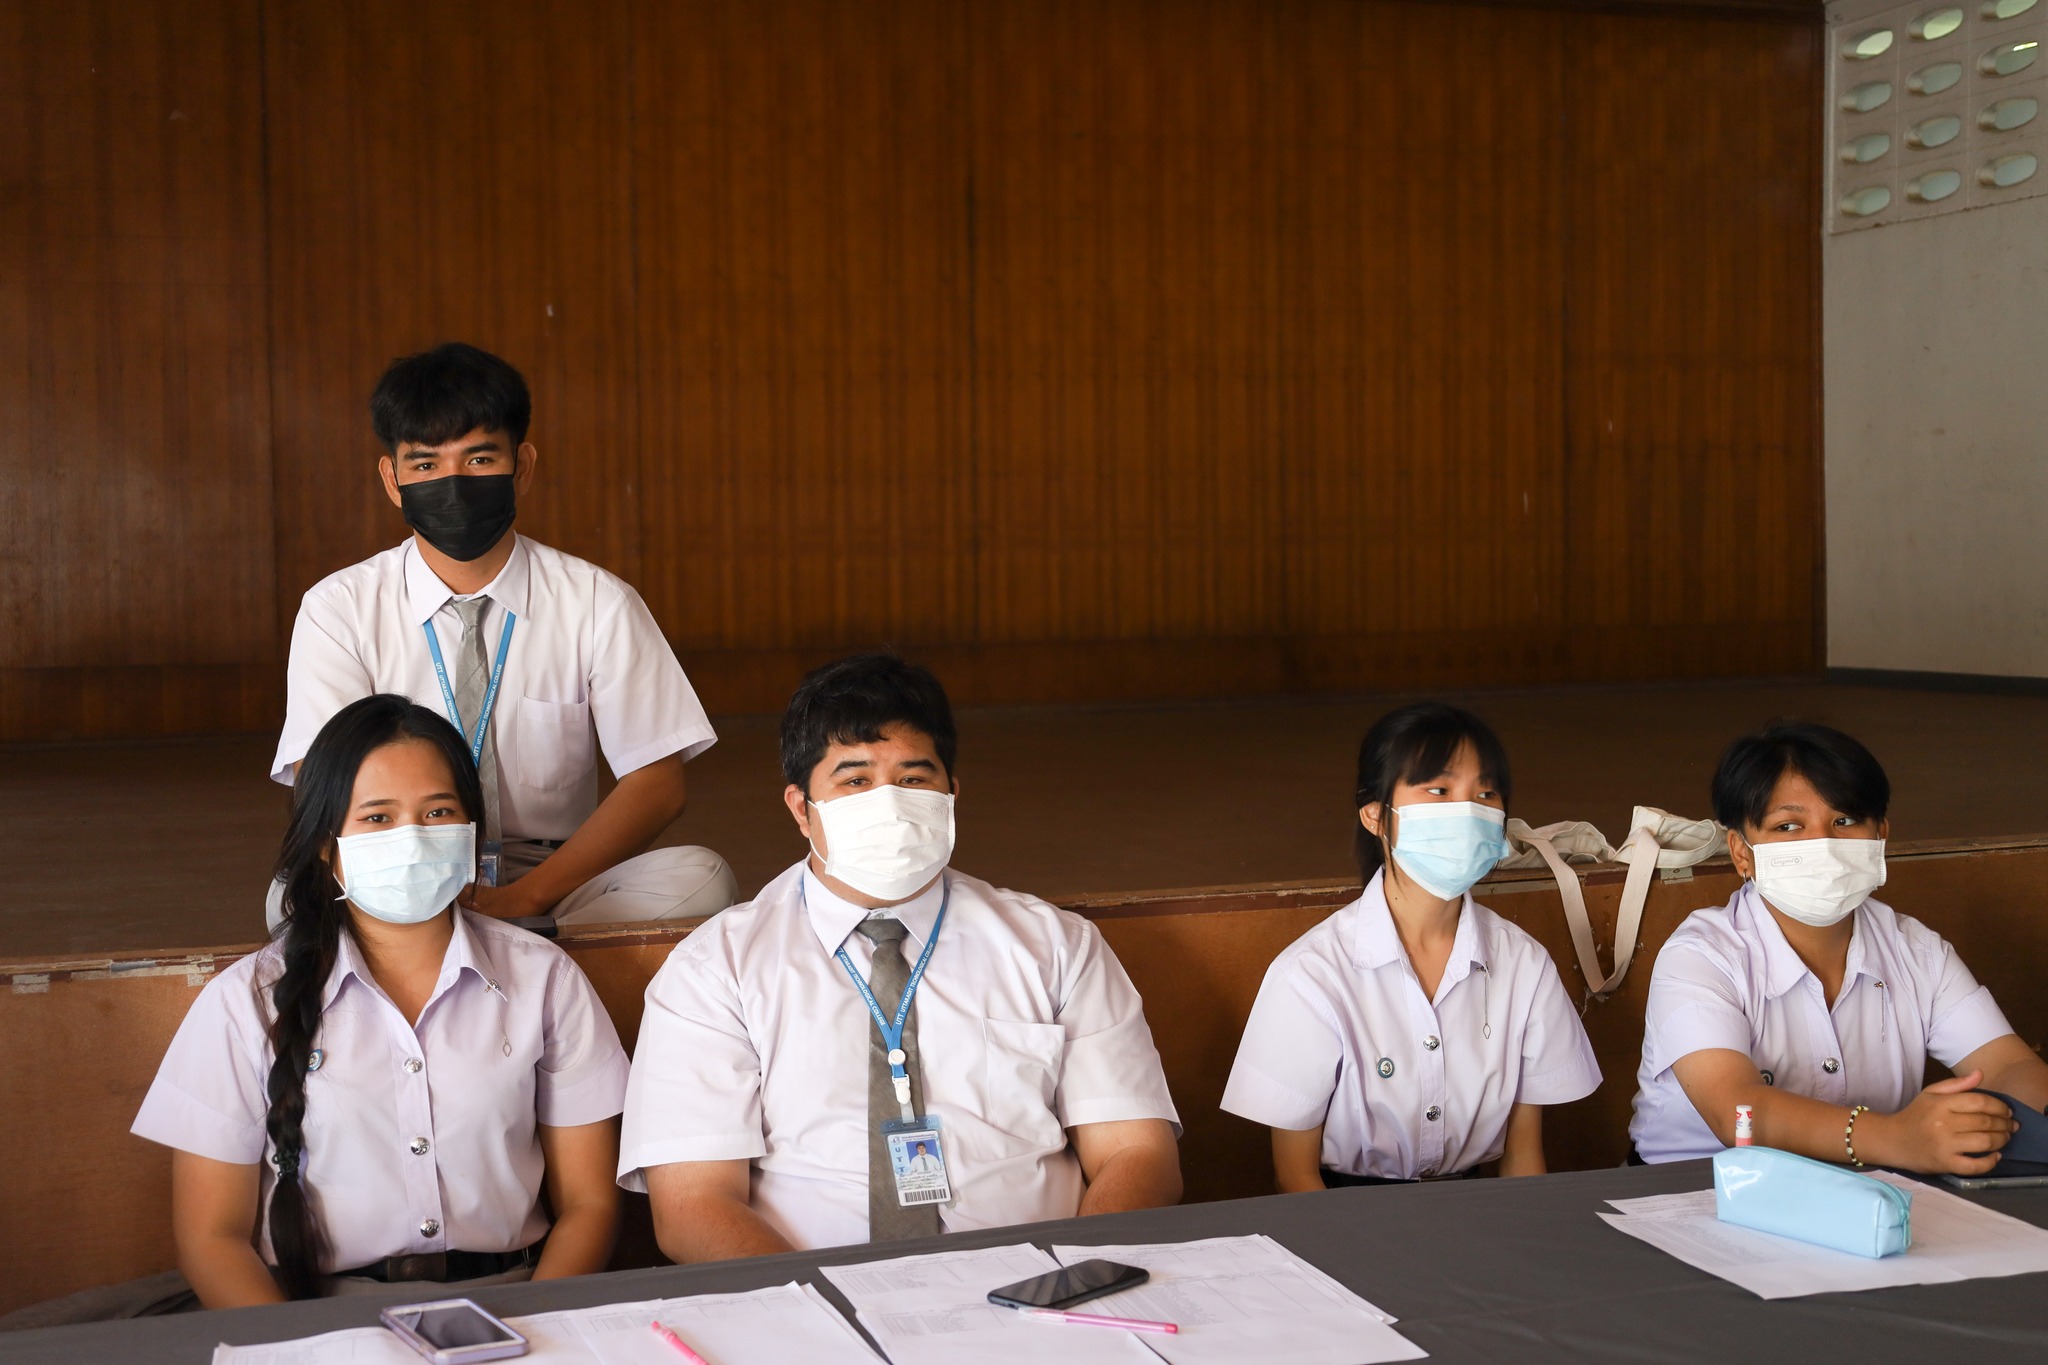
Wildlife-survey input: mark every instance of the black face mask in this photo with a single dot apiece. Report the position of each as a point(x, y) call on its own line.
point(461, 515)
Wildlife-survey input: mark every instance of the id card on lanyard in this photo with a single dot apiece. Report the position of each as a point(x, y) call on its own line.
point(917, 1159)
point(487, 870)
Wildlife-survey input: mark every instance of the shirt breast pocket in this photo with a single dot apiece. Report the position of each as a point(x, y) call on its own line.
point(1021, 1080)
point(556, 749)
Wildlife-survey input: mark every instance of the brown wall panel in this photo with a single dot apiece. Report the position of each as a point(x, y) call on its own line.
point(140, 699)
point(1118, 349)
point(458, 170)
point(134, 480)
point(802, 215)
point(1248, 323)
point(1692, 256)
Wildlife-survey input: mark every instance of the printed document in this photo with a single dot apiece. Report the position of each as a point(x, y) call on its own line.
point(934, 1310)
point(1238, 1299)
point(1953, 1239)
point(788, 1322)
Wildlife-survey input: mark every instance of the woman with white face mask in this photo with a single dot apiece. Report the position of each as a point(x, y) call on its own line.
point(1415, 1034)
point(1812, 1003)
point(385, 1091)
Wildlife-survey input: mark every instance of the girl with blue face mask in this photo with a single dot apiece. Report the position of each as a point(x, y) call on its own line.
point(1414, 1035)
point(386, 1090)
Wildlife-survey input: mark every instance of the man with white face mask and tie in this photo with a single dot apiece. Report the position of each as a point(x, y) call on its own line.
point(1814, 1004)
point(880, 1046)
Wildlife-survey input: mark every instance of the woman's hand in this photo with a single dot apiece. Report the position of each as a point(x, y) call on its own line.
point(1947, 1128)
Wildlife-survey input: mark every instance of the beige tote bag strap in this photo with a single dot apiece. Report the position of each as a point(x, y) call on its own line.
point(1657, 839)
point(1574, 897)
point(1639, 851)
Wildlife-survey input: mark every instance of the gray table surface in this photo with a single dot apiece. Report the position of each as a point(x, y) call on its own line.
point(1481, 1271)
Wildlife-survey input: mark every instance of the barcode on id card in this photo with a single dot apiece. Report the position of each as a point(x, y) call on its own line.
point(910, 1197)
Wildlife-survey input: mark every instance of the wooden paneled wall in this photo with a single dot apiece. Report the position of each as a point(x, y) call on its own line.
point(138, 589)
point(1085, 348)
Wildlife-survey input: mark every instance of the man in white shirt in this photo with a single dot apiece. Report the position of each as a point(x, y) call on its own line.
point(556, 657)
point(771, 1074)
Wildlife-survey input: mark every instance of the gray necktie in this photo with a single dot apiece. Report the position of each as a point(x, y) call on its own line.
point(889, 1221)
point(472, 681)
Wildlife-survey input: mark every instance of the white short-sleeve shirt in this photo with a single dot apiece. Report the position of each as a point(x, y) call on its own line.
point(513, 1037)
point(1728, 979)
point(754, 1046)
point(588, 667)
point(1403, 1086)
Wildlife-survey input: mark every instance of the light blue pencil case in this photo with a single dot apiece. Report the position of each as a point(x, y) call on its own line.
point(1796, 1196)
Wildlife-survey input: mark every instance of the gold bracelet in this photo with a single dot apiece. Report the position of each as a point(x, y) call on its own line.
point(1849, 1135)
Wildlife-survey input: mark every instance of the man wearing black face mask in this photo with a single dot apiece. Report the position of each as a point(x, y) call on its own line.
point(538, 657)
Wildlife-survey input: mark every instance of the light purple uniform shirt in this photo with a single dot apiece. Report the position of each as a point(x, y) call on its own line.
point(1727, 978)
point(513, 1037)
point(1403, 1086)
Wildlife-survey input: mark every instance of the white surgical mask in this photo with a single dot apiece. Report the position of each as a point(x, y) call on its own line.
point(1818, 881)
point(407, 875)
point(889, 842)
point(1445, 847)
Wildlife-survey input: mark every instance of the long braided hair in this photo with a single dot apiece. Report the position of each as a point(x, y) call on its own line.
point(310, 936)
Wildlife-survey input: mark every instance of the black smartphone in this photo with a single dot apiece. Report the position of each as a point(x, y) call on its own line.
point(1069, 1285)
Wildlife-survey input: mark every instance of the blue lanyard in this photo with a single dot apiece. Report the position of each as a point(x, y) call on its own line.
point(483, 720)
point(892, 1034)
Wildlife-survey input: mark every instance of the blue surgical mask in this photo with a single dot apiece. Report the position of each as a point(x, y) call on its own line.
point(1445, 847)
point(409, 874)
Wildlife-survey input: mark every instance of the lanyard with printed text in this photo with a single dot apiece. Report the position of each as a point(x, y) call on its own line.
point(483, 720)
point(892, 1034)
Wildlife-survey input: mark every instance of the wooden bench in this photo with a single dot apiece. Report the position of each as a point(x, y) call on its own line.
point(85, 1203)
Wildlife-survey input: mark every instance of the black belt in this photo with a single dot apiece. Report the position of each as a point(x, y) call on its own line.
point(446, 1267)
point(1344, 1180)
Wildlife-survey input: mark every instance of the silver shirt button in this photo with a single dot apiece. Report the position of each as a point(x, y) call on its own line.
point(1432, 1042)
point(430, 1227)
point(1432, 1113)
point(412, 1066)
point(1831, 1066)
point(419, 1148)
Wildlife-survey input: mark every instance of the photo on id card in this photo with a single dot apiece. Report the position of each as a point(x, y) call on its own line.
point(919, 1164)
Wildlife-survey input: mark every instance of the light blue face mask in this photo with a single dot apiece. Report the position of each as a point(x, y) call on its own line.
point(1445, 847)
point(409, 874)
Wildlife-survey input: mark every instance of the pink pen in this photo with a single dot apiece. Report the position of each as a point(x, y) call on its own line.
point(672, 1339)
point(1098, 1320)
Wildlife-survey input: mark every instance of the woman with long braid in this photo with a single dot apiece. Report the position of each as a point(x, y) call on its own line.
point(389, 1088)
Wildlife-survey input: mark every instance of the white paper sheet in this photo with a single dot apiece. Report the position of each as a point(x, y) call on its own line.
point(356, 1346)
point(934, 1310)
point(1246, 1298)
point(789, 1322)
point(1953, 1239)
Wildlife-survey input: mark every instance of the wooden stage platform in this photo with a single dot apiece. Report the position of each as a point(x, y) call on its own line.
point(166, 845)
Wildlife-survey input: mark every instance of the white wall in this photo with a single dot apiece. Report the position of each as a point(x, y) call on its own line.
point(1936, 385)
